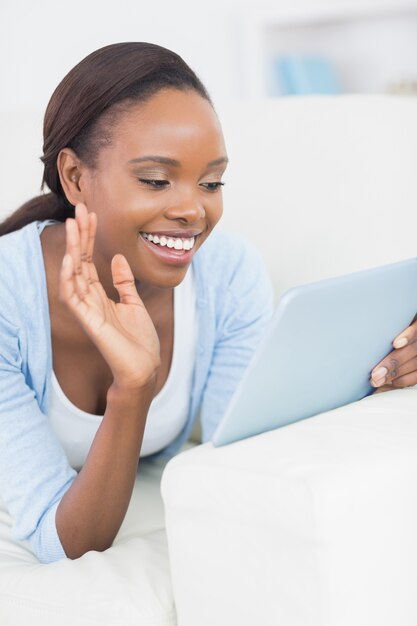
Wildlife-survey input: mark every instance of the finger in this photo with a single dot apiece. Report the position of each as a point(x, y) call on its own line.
point(73, 249)
point(383, 389)
point(382, 370)
point(124, 281)
point(87, 282)
point(91, 268)
point(408, 336)
point(67, 291)
point(389, 367)
point(83, 223)
point(91, 235)
point(407, 368)
point(409, 380)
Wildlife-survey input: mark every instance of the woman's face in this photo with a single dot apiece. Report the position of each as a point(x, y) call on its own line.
point(156, 187)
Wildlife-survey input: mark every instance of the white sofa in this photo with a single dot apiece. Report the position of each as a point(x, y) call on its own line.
point(313, 524)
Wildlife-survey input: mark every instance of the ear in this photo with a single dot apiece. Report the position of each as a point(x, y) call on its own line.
point(70, 170)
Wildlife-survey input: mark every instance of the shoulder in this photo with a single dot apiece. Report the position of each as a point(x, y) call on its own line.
point(20, 245)
point(226, 244)
point(22, 269)
point(228, 261)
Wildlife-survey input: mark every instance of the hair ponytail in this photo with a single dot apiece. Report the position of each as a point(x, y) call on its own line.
point(83, 108)
point(43, 207)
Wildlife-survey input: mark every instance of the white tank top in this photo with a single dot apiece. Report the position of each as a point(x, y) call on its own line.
point(169, 409)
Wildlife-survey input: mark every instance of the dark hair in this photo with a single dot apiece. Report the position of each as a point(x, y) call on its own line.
point(84, 106)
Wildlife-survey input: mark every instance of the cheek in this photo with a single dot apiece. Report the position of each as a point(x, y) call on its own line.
point(121, 204)
point(108, 187)
point(215, 210)
point(100, 198)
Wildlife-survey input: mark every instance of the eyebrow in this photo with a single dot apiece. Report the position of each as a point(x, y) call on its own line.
point(174, 162)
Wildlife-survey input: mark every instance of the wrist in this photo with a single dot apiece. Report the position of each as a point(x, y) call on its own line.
point(133, 382)
point(120, 390)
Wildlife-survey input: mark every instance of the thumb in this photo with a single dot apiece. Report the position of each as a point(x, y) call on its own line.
point(124, 281)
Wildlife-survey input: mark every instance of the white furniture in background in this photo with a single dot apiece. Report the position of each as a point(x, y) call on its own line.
point(313, 524)
point(322, 185)
point(371, 44)
point(310, 524)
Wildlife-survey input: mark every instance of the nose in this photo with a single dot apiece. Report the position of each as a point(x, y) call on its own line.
point(186, 207)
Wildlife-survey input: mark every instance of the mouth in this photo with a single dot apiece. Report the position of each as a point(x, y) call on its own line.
point(173, 250)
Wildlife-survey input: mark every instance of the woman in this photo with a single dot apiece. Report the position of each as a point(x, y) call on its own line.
point(111, 317)
point(88, 315)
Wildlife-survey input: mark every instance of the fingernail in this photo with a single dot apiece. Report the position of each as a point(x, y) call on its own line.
point(401, 342)
point(378, 383)
point(381, 372)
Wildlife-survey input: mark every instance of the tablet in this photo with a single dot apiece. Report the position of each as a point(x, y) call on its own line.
point(320, 348)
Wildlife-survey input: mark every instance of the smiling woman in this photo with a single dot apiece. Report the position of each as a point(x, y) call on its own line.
point(124, 312)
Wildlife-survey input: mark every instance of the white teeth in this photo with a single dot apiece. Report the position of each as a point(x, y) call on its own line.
point(177, 243)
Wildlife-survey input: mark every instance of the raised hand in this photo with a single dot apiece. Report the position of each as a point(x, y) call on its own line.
point(123, 332)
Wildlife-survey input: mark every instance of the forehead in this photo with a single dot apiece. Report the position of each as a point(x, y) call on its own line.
point(169, 123)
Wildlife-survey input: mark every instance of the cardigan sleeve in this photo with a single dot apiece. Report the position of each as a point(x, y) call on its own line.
point(34, 471)
point(246, 310)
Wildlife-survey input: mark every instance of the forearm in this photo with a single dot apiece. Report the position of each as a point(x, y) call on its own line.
point(92, 511)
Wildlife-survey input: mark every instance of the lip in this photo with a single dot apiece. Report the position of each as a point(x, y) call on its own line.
point(179, 234)
point(169, 255)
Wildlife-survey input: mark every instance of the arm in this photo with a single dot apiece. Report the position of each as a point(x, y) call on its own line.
point(60, 512)
point(34, 471)
point(243, 315)
point(91, 512)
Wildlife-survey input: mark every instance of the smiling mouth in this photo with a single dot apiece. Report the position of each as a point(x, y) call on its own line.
point(179, 244)
point(174, 256)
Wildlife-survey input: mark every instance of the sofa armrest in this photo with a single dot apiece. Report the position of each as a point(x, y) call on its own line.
point(313, 523)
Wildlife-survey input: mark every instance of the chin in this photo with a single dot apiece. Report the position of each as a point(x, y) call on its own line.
point(167, 280)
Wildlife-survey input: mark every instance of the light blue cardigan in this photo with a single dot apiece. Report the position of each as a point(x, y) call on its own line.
point(234, 300)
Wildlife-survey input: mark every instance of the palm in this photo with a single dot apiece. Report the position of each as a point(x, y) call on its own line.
point(123, 332)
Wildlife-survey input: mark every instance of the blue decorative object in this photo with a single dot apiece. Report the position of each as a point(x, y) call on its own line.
point(300, 75)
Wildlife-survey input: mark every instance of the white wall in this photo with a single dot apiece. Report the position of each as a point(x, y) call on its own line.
point(40, 40)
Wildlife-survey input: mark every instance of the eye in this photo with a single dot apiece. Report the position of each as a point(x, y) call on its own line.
point(155, 183)
point(212, 186)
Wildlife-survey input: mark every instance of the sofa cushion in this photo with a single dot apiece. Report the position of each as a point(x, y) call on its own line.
point(310, 524)
point(128, 584)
